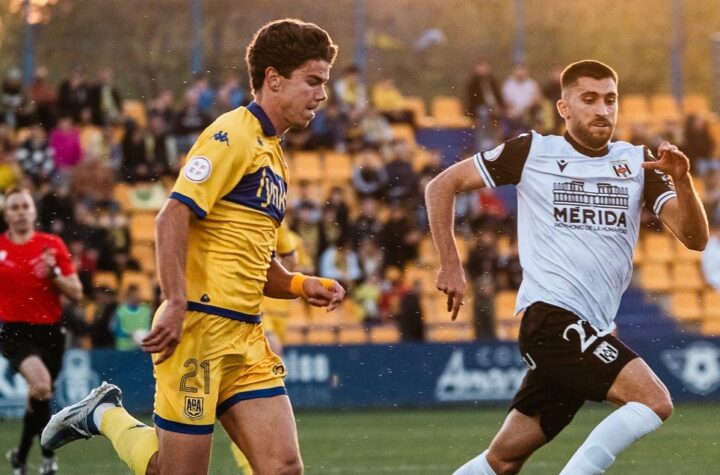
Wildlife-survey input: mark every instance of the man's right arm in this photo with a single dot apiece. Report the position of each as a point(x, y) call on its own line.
point(440, 203)
point(172, 226)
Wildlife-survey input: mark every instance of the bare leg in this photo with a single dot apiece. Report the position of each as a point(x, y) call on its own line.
point(181, 454)
point(264, 429)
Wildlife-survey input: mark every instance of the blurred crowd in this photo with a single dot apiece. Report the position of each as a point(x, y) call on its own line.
point(74, 142)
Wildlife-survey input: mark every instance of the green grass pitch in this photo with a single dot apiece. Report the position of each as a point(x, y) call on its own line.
point(432, 442)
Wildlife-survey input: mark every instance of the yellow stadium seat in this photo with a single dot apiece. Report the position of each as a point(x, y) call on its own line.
point(339, 167)
point(417, 106)
point(687, 276)
point(428, 254)
point(321, 335)
point(105, 279)
point(144, 253)
point(696, 104)
point(449, 333)
point(353, 335)
point(505, 305)
point(711, 305)
point(634, 108)
point(306, 166)
point(509, 330)
point(655, 276)
point(683, 254)
point(710, 327)
point(448, 112)
point(135, 110)
point(638, 256)
point(121, 194)
point(685, 305)
point(142, 227)
point(658, 247)
point(386, 334)
point(664, 107)
point(295, 336)
point(404, 132)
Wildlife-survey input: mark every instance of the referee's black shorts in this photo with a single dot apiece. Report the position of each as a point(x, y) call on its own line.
point(570, 362)
point(20, 340)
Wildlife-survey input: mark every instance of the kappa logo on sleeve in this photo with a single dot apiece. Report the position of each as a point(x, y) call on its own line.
point(198, 169)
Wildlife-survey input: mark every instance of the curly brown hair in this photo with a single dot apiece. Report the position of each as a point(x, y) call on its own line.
point(285, 45)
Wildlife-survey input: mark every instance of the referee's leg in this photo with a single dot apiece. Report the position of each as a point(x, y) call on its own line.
point(37, 414)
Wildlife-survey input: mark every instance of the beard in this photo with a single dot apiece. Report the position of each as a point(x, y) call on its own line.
point(589, 139)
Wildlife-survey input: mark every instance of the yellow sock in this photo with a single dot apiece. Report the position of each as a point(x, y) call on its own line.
point(241, 460)
point(134, 442)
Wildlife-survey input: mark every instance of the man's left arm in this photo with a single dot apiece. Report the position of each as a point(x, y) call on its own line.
point(683, 214)
point(319, 292)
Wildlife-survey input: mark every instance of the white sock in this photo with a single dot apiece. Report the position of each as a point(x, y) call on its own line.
point(476, 466)
point(100, 412)
point(613, 435)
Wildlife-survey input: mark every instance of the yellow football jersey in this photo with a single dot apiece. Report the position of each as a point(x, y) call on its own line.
point(235, 181)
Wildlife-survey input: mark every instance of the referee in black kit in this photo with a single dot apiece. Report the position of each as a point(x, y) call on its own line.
point(35, 271)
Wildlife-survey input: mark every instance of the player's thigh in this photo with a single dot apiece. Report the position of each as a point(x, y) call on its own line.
point(637, 382)
point(37, 376)
point(518, 438)
point(264, 429)
point(183, 454)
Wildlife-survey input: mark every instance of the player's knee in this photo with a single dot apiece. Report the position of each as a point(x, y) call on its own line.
point(663, 407)
point(504, 466)
point(290, 466)
point(41, 391)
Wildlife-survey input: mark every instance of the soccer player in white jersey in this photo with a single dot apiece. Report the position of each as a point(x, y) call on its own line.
point(580, 197)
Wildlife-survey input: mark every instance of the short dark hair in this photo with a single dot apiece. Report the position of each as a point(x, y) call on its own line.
point(285, 45)
point(586, 68)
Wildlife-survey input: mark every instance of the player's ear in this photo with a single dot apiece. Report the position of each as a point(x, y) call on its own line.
point(562, 108)
point(272, 78)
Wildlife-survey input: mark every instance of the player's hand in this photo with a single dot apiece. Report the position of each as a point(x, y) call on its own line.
point(165, 334)
point(321, 296)
point(452, 283)
point(671, 161)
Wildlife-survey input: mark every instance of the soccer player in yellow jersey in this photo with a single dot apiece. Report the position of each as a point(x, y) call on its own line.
point(216, 240)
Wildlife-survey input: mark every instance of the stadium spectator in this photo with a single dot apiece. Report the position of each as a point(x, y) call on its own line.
point(232, 94)
point(711, 200)
point(369, 176)
point(561, 278)
point(483, 99)
point(333, 227)
point(375, 130)
point(105, 100)
point(136, 165)
point(351, 93)
point(205, 94)
point(44, 97)
point(65, 142)
point(132, 320)
point(366, 297)
point(482, 268)
point(366, 225)
point(189, 122)
point(101, 328)
point(402, 181)
point(115, 237)
point(340, 262)
point(12, 100)
point(410, 315)
point(338, 203)
point(36, 157)
point(73, 95)
point(371, 257)
point(698, 143)
point(10, 172)
point(399, 239)
point(35, 271)
point(162, 105)
point(328, 129)
point(521, 95)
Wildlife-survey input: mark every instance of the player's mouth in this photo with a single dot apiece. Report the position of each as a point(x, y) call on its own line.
point(601, 123)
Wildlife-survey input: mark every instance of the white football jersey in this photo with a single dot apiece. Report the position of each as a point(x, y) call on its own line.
point(578, 218)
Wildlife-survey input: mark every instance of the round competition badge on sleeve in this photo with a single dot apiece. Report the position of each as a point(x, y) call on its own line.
point(492, 155)
point(198, 169)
